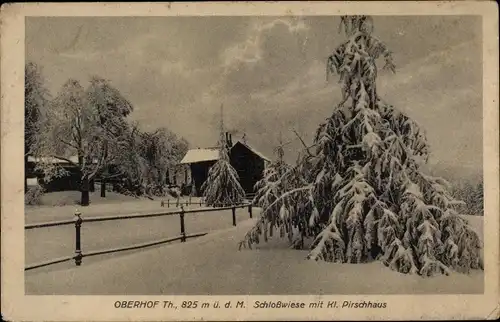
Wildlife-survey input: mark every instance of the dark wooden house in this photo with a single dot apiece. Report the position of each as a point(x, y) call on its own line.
point(247, 161)
point(199, 161)
point(71, 181)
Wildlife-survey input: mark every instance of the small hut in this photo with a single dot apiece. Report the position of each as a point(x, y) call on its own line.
point(247, 161)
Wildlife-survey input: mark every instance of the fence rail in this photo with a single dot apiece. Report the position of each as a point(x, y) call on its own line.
point(78, 221)
point(178, 203)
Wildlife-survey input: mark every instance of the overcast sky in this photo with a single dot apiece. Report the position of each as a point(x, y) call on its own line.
point(269, 72)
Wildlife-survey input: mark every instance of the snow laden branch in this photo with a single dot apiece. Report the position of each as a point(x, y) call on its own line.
point(283, 194)
point(88, 124)
point(362, 196)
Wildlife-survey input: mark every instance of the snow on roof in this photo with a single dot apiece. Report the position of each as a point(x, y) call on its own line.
point(73, 159)
point(200, 155)
point(253, 150)
point(212, 154)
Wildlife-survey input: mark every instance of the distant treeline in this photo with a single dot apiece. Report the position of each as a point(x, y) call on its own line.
point(472, 194)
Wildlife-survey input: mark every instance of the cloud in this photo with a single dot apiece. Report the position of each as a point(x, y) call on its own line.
point(441, 91)
point(269, 72)
point(271, 56)
point(311, 83)
point(250, 50)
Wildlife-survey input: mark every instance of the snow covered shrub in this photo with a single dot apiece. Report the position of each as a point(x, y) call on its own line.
point(361, 194)
point(34, 195)
point(278, 179)
point(173, 191)
point(193, 192)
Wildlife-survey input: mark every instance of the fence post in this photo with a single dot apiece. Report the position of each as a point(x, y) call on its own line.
point(250, 210)
point(168, 203)
point(183, 229)
point(234, 215)
point(78, 248)
point(200, 201)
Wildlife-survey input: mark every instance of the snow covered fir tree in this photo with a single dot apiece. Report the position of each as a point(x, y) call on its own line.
point(358, 193)
point(269, 189)
point(222, 187)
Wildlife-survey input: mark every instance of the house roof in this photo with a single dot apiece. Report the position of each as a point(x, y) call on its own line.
point(73, 159)
point(253, 150)
point(212, 154)
point(200, 155)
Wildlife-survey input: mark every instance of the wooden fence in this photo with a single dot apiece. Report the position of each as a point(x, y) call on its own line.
point(78, 221)
point(177, 202)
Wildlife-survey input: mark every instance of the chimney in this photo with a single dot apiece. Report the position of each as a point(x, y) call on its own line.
point(229, 142)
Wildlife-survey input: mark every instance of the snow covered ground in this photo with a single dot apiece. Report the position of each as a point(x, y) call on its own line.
point(62, 198)
point(213, 265)
point(48, 243)
point(476, 222)
point(105, 207)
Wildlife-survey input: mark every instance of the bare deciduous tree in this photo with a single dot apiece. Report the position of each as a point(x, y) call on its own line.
point(148, 158)
point(74, 125)
point(112, 109)
point(36, 99)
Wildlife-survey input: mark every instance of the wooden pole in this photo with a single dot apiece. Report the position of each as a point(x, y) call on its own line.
point(183, 228)
point(234, 215)
point(78, 248)
point(250, 210)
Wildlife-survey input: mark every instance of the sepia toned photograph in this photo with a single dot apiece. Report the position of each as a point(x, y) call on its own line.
point(299, 154)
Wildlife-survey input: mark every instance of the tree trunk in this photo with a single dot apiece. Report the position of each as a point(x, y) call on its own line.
point(84, 184)
point(85, 199)
point(105, 172)
point(103, 188)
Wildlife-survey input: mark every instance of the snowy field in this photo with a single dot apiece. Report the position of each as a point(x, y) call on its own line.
point(42, 244)
point(101, 207)
point(213, 265)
